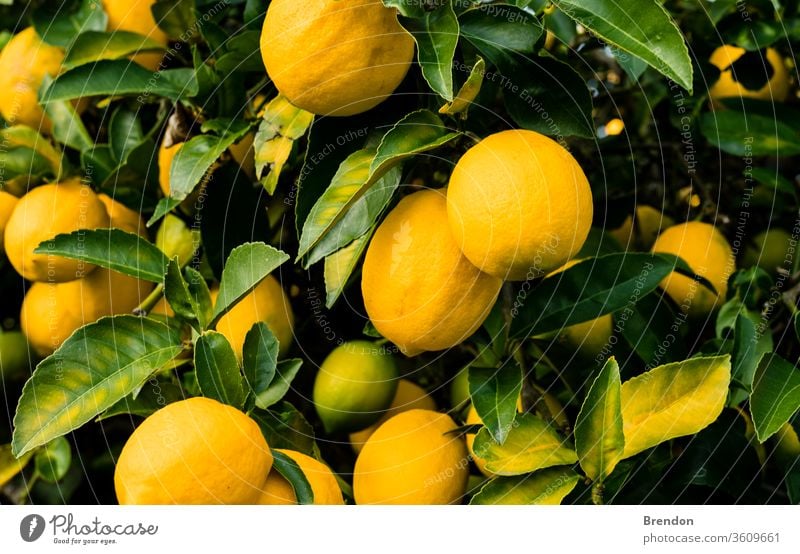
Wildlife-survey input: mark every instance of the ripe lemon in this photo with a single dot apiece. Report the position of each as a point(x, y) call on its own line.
point(519, 205)
point(640, 233)
point(708, 254)
point(409, 396)
point(420, 292)
point(727, 86)
point(24, 62)
point(136, 16)
point(354, 385)
point(165, 157)
point(15, 362)
point(769, 250)
point(414, 458)
point(51, 312)
point(43, 213)
point(268, 303)
point(335, 57)
point(122, 217)
point(7, 204)
point(195, 451)
point(278, 490)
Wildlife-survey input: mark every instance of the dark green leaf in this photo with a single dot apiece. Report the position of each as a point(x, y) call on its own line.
point(501, 33)
point(651, 327)
point(284, 375)
point(68, 129)
point(125, 133)
point(776, 395)
point(436, 35)
point(495, 393)
point(60, 23)
point(92, 46)
point(53, 460)
point(177, 18)
point(260, 357)
point(176, 291)
point(217, 369)
point(165, 205)
point(290, 471)
point(285, 427)
point(749, 134)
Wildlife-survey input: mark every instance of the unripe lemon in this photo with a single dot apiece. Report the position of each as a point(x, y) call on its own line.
point(136, 16)
point(7, 204)
point(354, 385)
point(15, 361)
point(519, 205)
point(122, 217)
point(24, 62)
point(43, 213)
point(409, 396)
point(51, 312)
point(420, 292)
point(414, 458)
point(727, 86)
point(640, 233)
point(708, 254)
point(459, 389)
point(268, 303)
point(769, 250)
point(335, 57)
point(278, 490)
point(175, 239)
point(195, 451)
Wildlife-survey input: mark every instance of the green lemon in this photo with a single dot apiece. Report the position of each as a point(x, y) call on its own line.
point(355, 384)
point(768, 250)
point(459, 389)
point(14, 359)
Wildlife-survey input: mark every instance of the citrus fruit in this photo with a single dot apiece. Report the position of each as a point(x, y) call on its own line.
point(354, 385)
point(519, 205)
point(709, 255)
point(419, 290)
point(413, 458)
point(165, 156)
point(15, 361)
point(409, 396)
point(51, 312)
point(728, 86)
point(7, 204)
point(24, 62)
point(268, 303)
point(39, 216)
point(640, 233)
point(769, 250)
point(136, 16)
point(122, 217)
point(195, 451)
point(175, 239)
point(335, 57)
point(459, 389)
point(278, 490)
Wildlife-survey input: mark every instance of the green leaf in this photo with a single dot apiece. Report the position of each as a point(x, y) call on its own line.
point(640, 27)
point(649, 327)
point(495, 393)
point(545, 487)
point(531, 445)
point(114, 249)
point(285, 427)
point(673, 400)
point(196, 157)
point(53, 460)
point(155, 394)
point(406, 8)
point(340, 266)
point(177, 18)
point(59, 23)
point(165, 206)
point(773, 179)
point(436, 34)
point(94, 368)
point(599, 440)
point(501, 33)
point(468, 91)
point(745, 355)
point(776, 395)
point(28, 155)
point(176, 291)
point(10, 465)
point(217, 369)
point(260, 357)
point(125, 133)
point(246, 267)
point(284, 375)
point(68, 129)
point(749, 134)
point(92, 46)
point(290, 471)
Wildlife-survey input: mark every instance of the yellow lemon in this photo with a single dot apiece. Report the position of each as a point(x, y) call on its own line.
point(519, 205)
point(419, 290)
point(335, 57)
point(640, 233)
point(43, 213)
point(413, 458)
point(709, 255)
point(165, 157)
point(409, 396)
point(122, 217)
point(175, 239)
point(268, 303)
point(278, 490)
point(51, 312)
point(7, 204)
point(195, 451)
point(136, 16)
point(24, 62)
point(727, 86)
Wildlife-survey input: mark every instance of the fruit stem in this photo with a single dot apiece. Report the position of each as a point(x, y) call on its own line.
point(597, 493)
point(150, 302)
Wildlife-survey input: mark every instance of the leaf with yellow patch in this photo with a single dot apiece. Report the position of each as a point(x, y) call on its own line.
point(546, 487)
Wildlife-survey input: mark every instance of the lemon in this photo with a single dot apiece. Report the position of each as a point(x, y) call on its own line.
point(419, 290)
point(122, 217)
point(195, 451)
point(268, 303)
point(640, 233)
point(459, 389)
point(414, 458)
point(165, 157)
point(709, 255)
point(15, 361)
point(519, 205)
point(474, 419)
point(354, 385)
point(162, 307)
point(136, 16)
point(769, 250)
point(278, 490)
point(409, 396)
point(727, 86)
point(24, 62)
point(175, 239)
point(335, 57)
point(7, 204)
point(39, 216)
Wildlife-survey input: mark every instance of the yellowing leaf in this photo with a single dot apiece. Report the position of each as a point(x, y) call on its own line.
point(9, 465)
point(673, 400)
point(546, 487)
point(468, 91)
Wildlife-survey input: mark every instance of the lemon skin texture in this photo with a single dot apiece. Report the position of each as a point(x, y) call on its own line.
point(413, 458)
point(122, 217)
point(136, 16)
point(24, 62)
point(709, 255)
point(335, 57)
point(39, 216)
point(640, 235)
point(195, 451)
point(519, 205)
point(776, 89)
point(278, 490)
point(7, 204)
point(419, 290)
